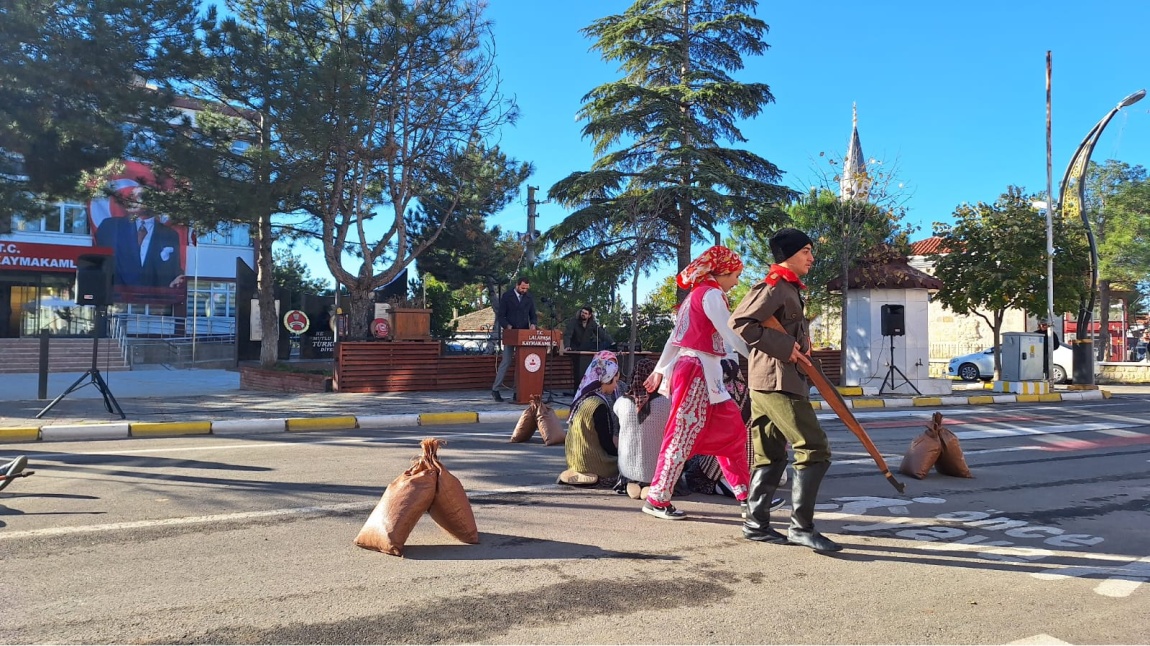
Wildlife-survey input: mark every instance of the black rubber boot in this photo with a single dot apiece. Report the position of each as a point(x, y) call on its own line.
point(804, 492)
point(764, 482)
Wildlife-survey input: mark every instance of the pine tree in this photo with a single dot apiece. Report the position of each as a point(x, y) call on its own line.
point(661, 133)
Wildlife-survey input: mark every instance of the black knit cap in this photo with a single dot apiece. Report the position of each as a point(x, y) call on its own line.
point(787, 242)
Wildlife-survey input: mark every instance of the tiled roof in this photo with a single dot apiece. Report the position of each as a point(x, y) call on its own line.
point(885, 268)
point(478, 321)
point(931, 245)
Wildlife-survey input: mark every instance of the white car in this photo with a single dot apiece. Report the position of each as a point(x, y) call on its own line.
point(980, 365)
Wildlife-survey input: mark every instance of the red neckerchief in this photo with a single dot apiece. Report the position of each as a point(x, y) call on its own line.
point(778, 271)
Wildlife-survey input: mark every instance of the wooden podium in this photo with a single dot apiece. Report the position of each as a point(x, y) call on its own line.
point(531, 348)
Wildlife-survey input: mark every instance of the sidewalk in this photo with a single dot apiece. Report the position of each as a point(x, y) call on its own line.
point(176, 402)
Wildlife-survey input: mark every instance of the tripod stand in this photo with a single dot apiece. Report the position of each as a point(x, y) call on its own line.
point(93, 375)
point(890, 372)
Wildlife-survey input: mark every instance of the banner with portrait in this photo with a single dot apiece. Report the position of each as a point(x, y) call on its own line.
point(149, 253)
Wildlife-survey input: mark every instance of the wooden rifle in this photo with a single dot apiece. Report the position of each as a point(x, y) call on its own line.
point(832, 397)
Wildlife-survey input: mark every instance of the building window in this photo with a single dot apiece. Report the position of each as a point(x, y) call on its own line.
point(64, 217)
point(235, 235)
point(208, 298)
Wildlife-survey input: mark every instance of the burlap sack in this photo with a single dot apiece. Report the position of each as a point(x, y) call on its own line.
point(402, 505)
point(451, 509)
point(923, 453)
point(950, 462)
point(550, 427)
point(527, 423)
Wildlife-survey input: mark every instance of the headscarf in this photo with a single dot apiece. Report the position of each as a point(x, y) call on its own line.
point(637, 391)
point(715, 261)
point(604, 369)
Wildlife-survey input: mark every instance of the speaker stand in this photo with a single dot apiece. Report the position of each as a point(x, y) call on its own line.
point(92, 375)
point(891, 371)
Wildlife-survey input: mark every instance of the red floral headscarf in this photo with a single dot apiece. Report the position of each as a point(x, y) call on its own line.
point(717, 260)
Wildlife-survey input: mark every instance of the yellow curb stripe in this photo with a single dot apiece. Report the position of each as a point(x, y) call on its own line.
point(1106, 394)
point(980, 399)
point(849, 391)
point(20, 434)
point(1050, 397)
point(563, 413)
point(1029, 399)
point(320, 423)
point(138, 429)
point(427, 419)
point(928, 401)
point(868, 403)
point(817, 405)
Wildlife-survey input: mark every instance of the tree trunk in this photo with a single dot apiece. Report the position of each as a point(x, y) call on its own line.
point(1104, 319)
point(265, 288)
point(361, 311)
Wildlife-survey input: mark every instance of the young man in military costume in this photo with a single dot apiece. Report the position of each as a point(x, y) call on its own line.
point(780, 397)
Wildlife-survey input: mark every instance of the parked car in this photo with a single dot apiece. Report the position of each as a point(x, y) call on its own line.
point(980, 365)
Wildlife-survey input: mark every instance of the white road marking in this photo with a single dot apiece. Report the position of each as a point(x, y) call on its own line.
point(1041, 639)
point(238, 516)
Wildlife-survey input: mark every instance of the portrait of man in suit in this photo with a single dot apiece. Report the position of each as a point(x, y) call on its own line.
point(146, 252)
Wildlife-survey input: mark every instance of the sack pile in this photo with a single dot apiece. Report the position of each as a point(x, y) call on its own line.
point(937, 447)
point(539, 416)
point(427, 487)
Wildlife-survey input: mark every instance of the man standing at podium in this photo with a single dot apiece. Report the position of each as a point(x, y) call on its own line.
point(514, 311)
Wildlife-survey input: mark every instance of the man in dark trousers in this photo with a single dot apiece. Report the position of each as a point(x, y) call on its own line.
point(781, 412)
point(514, 311)
point(583, 334)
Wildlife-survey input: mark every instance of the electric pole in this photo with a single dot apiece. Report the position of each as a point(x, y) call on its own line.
point(531, 232)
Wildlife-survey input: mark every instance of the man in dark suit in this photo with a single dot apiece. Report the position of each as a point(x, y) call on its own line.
point(146, 251)
point(514, 311)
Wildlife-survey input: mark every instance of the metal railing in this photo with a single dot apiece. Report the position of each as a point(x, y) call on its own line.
point(149, 338)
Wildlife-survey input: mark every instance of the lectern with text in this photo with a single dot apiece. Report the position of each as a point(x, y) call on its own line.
point(531, 348)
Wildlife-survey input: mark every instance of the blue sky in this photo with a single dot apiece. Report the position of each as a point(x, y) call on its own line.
point(951, 95)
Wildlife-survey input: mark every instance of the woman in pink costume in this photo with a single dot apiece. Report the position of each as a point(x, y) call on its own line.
point(704, 419)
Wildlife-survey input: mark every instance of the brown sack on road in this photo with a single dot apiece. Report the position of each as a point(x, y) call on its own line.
point(923, 453)
point(404, 502)
point(527, 423)
point(550, 426)
point(451, 509)
point(951, 462)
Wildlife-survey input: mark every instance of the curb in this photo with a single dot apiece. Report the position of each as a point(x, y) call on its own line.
point(124, 430)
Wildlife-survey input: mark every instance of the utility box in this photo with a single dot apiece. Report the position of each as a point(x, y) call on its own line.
point(1022, 354)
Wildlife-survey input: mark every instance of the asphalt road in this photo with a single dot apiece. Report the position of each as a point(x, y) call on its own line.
point(249, 540)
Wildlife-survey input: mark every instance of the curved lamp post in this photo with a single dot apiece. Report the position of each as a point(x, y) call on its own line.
point(1071, 198)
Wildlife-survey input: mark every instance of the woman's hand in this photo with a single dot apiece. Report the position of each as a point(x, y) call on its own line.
point(652, 382)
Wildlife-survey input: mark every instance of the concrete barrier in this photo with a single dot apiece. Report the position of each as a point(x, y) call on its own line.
point(69, 432)
point(249, 426)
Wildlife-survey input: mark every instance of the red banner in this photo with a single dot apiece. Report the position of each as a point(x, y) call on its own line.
point(30, 256)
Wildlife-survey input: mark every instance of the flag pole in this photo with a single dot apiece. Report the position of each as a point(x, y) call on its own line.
point(195, 294)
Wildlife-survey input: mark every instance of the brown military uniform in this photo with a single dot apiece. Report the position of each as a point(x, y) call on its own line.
point(780, 395)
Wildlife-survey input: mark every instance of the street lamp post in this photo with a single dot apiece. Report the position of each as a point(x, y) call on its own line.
point(1072, 196)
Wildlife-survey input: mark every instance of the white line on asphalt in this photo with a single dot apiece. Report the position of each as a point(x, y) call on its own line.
point(238, 516)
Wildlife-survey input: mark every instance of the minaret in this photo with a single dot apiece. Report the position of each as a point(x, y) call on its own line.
point(854, 183)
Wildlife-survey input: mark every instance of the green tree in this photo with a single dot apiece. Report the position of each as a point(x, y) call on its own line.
point(660, 134)
point(468, 252)
point(995, 260)
point(292, 274)
point(354, 110)
point(74, 78)
point(1120, 218)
